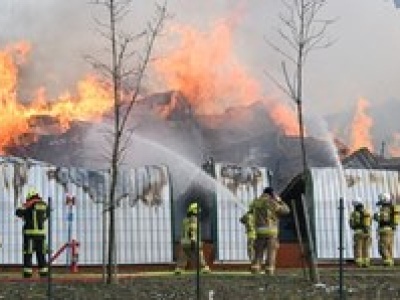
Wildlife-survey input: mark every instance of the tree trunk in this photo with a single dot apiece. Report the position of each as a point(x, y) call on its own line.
point(116, 143)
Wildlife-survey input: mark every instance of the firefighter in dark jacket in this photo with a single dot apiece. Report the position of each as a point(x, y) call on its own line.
point(34, 212)
point(361, 221)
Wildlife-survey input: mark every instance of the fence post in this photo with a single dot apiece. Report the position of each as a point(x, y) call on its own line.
point(49, 251)
point(198, 241)
point(341, 219)
point(70, 202)
point(105, 229)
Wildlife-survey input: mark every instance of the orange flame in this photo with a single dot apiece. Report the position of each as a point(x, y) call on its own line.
point(284, 117)
point(19, 121)
point(360, 127)
point(204, 69)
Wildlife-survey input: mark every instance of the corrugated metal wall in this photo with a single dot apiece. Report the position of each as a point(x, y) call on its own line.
point(144, 220)
point(238, 186)
point(328, 185)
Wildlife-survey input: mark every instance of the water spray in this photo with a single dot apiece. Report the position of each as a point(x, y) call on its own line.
point(207, 181)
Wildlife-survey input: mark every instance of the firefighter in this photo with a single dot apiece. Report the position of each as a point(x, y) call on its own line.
point(387, 219)
point(189, 241)
point(361, 221)
point(248, 221)
point(34, 212)
point(268, 209)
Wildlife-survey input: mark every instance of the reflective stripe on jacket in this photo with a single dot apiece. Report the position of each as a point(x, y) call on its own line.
point(248, 221)
point(34, 213)
point(189, 230)
point(270, 231)
point(267, 211)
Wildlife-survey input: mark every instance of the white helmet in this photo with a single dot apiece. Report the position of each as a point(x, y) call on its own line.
point(384, 197)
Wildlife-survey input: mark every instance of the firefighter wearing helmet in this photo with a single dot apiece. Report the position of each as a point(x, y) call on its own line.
point(387, 219)
point(268, 209)
point(34, 212)
point(361, 221)
point(189, 240)
point(248, 221)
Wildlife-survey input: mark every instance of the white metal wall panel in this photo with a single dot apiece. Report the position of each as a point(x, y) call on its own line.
point(146, 227)
point(329, 185)
point(143, 228)
point(237, 187)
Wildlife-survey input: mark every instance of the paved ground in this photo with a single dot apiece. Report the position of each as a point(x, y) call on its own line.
point(376, 283)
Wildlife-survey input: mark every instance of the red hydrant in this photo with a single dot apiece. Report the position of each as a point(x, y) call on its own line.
point(74, 255)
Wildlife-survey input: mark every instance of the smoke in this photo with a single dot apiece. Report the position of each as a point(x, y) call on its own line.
point(162, 131)
point(57, 31)
point(63, 32)
point(318, 128)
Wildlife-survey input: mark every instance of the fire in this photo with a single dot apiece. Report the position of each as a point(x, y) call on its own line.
point(203, 67)
point(361, 127)
point(284, 117)
point(18, 122)
point(205, 70)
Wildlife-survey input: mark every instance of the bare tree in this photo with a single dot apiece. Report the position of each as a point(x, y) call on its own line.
point(301, 32)
point(126, 72)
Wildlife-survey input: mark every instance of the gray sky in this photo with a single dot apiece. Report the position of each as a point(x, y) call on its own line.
point(364, 61)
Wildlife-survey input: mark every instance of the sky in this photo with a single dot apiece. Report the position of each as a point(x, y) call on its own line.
point(363, 61)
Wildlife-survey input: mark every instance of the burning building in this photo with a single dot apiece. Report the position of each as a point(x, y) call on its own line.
point(205, 111)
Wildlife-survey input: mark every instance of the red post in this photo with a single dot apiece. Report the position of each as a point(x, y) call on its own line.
point(75, 255)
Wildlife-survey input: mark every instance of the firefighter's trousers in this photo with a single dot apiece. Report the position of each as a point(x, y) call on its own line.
point(385, 245)
point(265, 245)
point(188, 253)
point(250, 247)
point(362, 248)
point(34, 243)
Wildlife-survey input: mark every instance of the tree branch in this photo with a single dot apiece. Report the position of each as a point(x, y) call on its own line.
point(153, 31)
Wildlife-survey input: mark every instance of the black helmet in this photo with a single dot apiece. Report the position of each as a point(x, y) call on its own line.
point(357, 203)
point(268, 190)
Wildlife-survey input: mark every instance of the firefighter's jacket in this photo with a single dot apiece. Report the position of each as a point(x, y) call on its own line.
point(360, 221)
point(248, 221)
point(34, 213)
point(267, 211)
point(385, 217)
point(189, 230)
